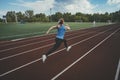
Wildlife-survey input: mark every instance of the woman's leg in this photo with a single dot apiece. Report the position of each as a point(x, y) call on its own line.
point(65, 43)
point(56, 46)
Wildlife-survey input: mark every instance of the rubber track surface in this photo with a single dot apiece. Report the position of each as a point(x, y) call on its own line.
point(21, 59)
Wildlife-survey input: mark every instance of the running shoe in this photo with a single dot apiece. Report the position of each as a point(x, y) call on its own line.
point(44, 57)
point(68, 48)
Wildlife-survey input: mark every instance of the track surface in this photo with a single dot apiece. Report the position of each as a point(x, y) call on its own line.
point(94, 55)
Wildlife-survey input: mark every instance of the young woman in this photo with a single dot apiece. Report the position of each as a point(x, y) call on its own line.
point(61, 29)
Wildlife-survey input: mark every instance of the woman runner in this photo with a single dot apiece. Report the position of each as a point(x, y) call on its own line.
point(61, 29)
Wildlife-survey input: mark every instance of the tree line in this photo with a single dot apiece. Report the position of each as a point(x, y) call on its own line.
point(29, 16)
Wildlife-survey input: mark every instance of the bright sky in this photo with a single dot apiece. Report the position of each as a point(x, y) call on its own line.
point(73, 6)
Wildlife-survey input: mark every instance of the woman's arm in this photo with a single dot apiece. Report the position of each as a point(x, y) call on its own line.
point(51, 28)
point(67, 27)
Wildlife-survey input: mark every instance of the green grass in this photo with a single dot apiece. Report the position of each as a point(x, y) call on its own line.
point(14, 31)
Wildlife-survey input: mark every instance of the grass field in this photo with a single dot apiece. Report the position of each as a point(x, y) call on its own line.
point(14, 31)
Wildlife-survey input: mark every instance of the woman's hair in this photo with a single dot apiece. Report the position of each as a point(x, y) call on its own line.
point(61, 21)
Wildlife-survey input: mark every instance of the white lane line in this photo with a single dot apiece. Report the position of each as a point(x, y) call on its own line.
point(32, 43)
point(28, 39)
point(24, 45)
point(3, 37)
point(18, 39)
point(118, 71)
point(55, 77)
point(8, 72)
point(25, 52)
point(37, 48)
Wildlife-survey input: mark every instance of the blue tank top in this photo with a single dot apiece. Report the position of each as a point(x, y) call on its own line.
point(61, 32)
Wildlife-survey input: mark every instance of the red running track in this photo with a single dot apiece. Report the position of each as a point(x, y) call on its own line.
point(94, 56)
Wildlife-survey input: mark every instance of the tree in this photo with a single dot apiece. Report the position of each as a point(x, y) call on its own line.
point(116, 16)
point(10, 16)
point(67, 16)
point(29, 13)
point(57, 16)
point(0, 20)
point(78, 16)
point(20, 16)
point(41, 17)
